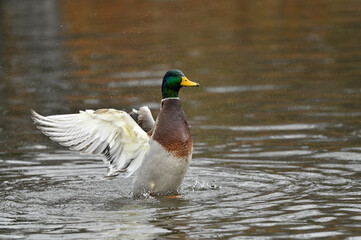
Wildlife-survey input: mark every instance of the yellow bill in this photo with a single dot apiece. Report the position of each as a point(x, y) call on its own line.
point(188, 83)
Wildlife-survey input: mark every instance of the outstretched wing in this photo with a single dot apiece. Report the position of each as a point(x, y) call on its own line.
point(144, 118)
point(111, 133)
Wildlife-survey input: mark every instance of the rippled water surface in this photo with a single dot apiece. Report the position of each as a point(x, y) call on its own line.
point(275, 124)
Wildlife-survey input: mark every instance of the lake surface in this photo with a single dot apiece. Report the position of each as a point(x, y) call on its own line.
point(275, 124)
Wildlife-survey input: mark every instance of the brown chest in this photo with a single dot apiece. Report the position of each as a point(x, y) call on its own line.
point(172, 131)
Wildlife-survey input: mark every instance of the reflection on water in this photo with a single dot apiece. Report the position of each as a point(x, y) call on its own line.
point(275, 122)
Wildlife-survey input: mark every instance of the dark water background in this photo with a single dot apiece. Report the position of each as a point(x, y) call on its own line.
point(276, 122)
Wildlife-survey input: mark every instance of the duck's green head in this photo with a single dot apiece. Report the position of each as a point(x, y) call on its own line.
point(173, 80)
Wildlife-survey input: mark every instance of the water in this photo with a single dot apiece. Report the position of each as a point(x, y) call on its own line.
point(275, 123)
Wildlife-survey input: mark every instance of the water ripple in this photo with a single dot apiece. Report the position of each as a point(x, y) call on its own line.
point(235, 89)
point(283, 127)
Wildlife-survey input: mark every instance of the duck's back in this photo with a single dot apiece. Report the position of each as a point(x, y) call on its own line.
point(170, 152)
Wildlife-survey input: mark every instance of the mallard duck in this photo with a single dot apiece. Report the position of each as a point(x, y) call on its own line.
point(159, 151)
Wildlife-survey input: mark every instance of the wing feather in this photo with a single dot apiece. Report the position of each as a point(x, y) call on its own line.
point(110, 133)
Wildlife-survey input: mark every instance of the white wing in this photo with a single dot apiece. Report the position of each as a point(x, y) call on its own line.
point(110, 133)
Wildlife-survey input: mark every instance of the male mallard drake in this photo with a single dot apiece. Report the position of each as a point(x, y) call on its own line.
point(161, 151)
